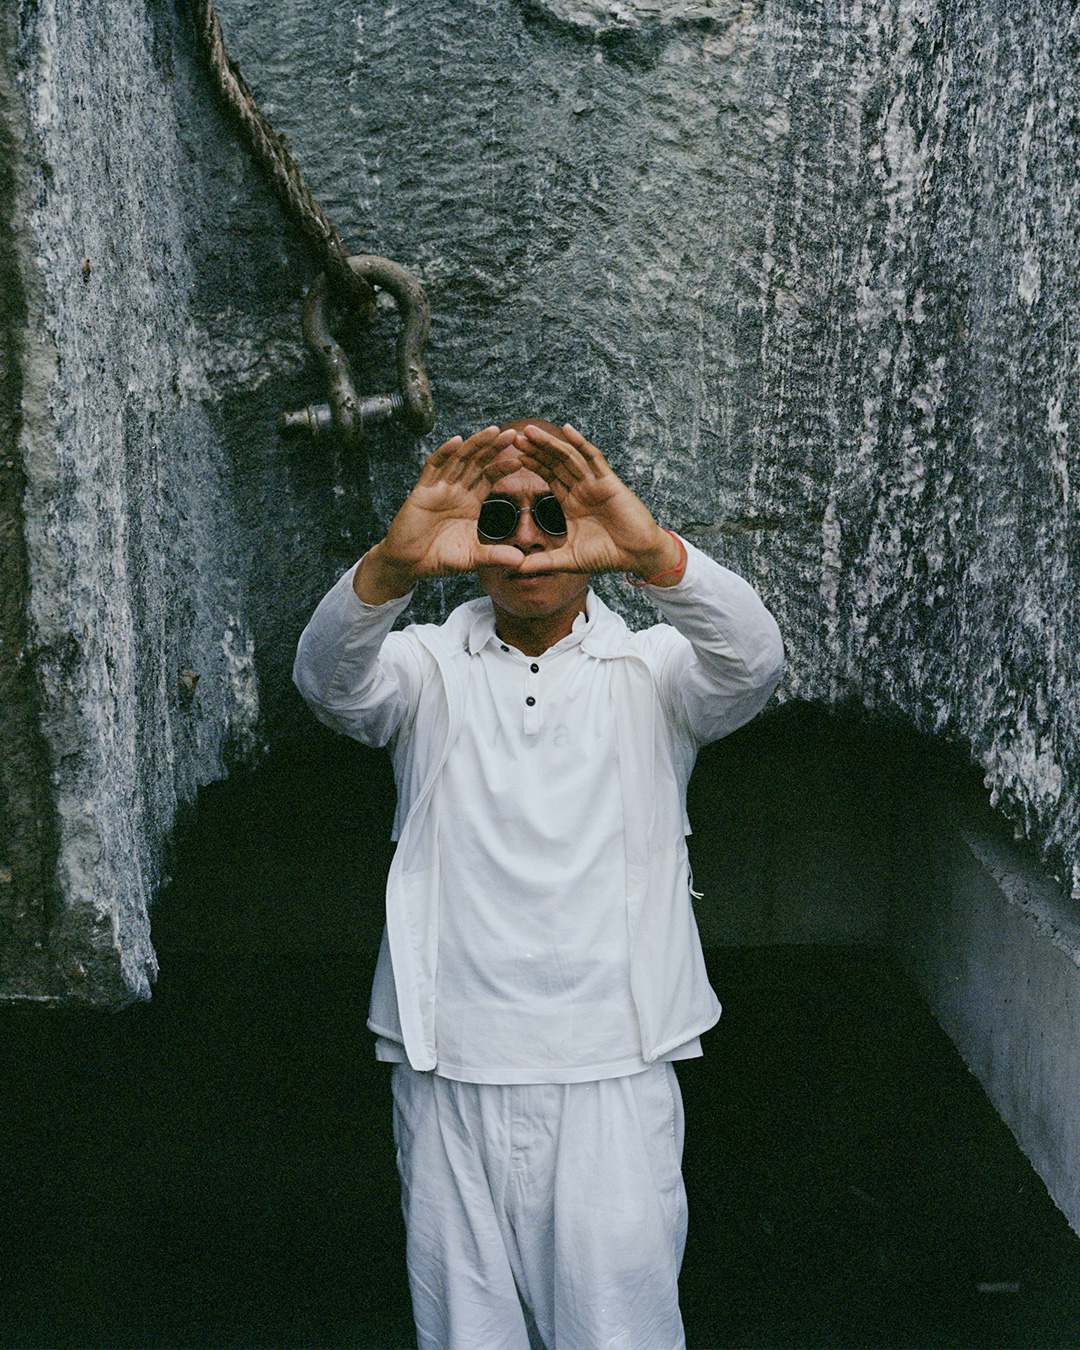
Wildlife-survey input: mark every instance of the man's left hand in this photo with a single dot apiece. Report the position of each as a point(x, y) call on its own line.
point(608, 528)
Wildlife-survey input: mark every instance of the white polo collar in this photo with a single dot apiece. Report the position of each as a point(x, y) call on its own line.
point(482, 628)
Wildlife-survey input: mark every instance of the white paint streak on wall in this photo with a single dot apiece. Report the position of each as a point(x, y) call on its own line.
point(803, 268)
point(123, 505)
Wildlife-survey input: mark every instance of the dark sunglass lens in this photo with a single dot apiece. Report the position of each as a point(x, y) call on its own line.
point(497, 519)
point(548, 514)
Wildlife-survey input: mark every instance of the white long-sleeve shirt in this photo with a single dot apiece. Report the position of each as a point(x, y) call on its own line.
point(539, 926)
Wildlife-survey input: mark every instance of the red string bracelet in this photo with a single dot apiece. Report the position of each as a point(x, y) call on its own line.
point(671, 570)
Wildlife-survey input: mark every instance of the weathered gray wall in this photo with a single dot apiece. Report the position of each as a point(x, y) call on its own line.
point(804, 269)
point(122, 545)
point(995, 950)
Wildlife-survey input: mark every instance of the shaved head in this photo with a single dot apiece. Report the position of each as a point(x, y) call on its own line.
point(509, 456)
point(524, 422)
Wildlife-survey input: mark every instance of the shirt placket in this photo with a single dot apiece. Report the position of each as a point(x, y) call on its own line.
point(531, 724)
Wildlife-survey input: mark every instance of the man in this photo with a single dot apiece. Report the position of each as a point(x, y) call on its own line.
point(540, 968)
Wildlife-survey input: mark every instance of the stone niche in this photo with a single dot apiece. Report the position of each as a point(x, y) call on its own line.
point(805, 271)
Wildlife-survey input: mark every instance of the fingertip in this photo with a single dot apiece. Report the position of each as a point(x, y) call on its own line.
point(447, 448)
point(501, 555)
point(550, 560)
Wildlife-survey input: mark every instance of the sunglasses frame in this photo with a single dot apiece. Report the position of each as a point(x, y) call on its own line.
point(547, 497)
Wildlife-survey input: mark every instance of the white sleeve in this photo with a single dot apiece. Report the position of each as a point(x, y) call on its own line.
point(357, 676)
point(729, 659)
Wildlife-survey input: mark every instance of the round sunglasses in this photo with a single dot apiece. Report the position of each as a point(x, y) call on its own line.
point(499, 516)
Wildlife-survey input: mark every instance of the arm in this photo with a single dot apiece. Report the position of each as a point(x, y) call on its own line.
point(726, 662)
point(355, 680)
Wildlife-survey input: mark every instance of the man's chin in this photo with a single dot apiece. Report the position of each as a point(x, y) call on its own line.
point(529, 594)
point(534, 595)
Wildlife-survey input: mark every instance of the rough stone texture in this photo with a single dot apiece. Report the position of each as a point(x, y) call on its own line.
point(25, 819)
point(806, 271)
point(123, 554)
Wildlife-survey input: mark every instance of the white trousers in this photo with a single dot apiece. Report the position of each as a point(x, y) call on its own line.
point(543, 1216)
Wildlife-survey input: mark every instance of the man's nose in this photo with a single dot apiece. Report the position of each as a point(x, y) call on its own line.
point(528, 536)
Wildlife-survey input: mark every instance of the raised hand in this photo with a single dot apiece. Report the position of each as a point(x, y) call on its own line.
point(434, 532)
point(608, 528)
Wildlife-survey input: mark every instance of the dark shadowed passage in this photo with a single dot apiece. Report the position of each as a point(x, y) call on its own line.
point(215, 1168)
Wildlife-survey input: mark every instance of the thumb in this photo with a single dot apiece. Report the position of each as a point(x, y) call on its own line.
point(498, 555)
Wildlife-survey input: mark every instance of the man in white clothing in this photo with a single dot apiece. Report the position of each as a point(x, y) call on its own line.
point(540, 968)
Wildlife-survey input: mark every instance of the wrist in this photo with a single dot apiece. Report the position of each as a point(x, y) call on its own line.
point(378, 579)
point(662, 565)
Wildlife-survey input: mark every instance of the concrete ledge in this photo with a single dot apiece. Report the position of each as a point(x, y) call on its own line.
point(1052, 914)
point(996, 952)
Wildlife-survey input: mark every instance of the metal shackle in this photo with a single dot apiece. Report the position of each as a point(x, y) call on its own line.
point(346, 413)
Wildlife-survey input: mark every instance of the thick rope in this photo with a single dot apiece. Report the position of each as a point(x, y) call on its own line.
point(272, 154)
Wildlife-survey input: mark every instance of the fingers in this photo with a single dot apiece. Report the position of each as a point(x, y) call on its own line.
point(464, 461)
point(560, 559)
point(567, 459)
point(439, 457)
point(554, 454)
point(497, 555)
point(501, 466)
point(587, 450)
point(450, 449)
point(483, 464)
point(550, 467)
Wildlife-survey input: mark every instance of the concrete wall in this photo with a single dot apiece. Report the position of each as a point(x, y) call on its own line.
point(995, 948)
point(805, 270)
point(818, 826)
point(128, 656)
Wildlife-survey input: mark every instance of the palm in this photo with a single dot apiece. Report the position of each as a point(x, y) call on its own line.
point(607, 526)
point(434, 533)
point(438, 533)
point(592, 545)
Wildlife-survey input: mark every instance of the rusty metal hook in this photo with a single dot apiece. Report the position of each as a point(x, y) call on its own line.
point(347, 413)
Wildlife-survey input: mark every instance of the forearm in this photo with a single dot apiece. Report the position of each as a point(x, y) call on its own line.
point(379, 580)
point(339, 669)
point(735, 655)
point(663, 564)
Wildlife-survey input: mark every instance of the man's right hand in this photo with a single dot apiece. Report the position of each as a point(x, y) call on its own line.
point(434, 533)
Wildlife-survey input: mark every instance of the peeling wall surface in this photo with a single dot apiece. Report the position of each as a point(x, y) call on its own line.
point(129, 573)
point(805, 271)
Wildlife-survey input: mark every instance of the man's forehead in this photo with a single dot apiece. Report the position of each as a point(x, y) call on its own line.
point(519, 482)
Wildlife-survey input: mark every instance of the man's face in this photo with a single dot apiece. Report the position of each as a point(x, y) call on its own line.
point(531, 597)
